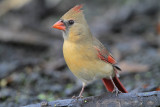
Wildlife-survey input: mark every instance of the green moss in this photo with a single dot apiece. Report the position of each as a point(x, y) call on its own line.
point(137, 77)
point(148, 74)
point(69, 86)
point(42, 96)
point(3, 83)
point(47, 97)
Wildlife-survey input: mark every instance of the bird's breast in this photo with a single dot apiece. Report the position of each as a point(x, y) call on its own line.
point(82, 60)
point(77, 56)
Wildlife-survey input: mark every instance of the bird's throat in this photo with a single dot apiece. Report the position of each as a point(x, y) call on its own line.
point(65, 34)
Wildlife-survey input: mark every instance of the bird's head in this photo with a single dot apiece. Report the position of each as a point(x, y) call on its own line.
point(73, 24)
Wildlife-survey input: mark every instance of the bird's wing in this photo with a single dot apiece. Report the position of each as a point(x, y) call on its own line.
point(104, 54)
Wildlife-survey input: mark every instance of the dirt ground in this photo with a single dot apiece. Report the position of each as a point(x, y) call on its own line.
point(32, 68)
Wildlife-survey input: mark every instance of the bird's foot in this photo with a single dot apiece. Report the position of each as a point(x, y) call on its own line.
point(116, 90)
point(78, 97)
point(45, 104)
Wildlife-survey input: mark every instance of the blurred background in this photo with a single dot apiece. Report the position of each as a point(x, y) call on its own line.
point(32, 67)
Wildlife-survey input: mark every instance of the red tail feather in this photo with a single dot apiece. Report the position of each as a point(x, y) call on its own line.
point(108, 84)
point(110, 87)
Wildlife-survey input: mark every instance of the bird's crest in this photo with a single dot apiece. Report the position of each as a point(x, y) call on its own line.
point(78, 8)
point(75, 13)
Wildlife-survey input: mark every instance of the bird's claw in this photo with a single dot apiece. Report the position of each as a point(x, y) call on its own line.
point(116, 91)
point(45, 104)
point(78, 97)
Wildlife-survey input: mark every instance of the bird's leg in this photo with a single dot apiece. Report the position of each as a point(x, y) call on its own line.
point(116, 90)
point(80, 94)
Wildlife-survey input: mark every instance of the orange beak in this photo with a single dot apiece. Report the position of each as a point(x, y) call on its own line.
point(59, 25)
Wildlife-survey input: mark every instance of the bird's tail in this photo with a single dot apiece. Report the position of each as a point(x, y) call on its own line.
point(110, 87)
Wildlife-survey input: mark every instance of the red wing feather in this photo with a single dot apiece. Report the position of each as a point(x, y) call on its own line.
point(111, 59)
point(107, 59)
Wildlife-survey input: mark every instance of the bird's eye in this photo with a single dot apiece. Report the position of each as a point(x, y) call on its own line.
point(71, 22)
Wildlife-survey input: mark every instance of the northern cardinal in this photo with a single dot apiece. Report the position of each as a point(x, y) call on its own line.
point(85, 55)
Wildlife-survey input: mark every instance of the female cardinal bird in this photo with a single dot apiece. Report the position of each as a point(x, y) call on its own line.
point(85, 55)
